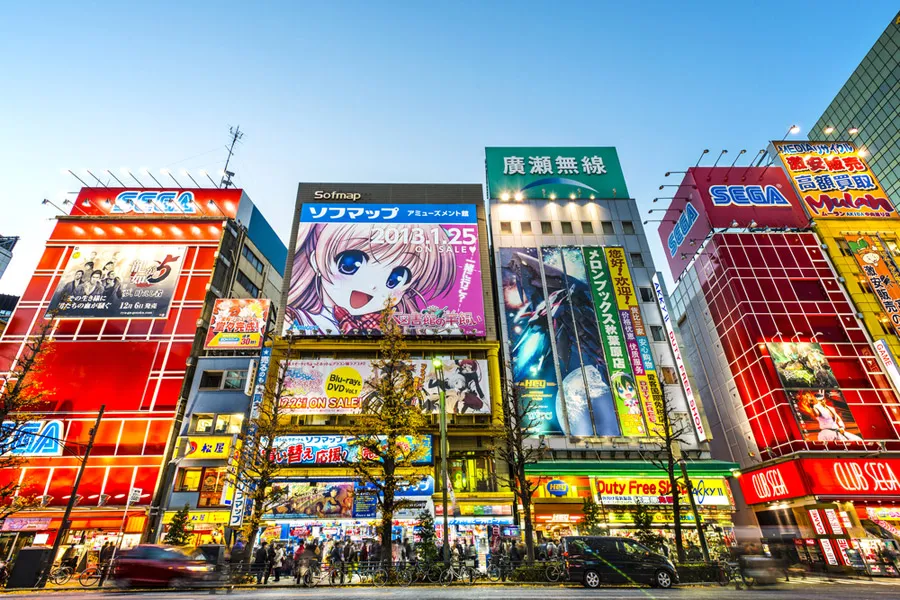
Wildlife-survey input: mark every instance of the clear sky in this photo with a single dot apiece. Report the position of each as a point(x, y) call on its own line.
point(399, 92)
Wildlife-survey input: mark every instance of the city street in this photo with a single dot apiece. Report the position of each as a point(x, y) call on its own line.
point(809, 589)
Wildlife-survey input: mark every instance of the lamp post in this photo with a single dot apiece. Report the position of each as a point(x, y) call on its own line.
point(439, 371)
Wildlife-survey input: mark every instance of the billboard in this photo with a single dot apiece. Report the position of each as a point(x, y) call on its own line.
point(350, 260)
point(876, 265)
point(314, 500)
point(157, 202)
point(548, 173)
point(834, 181)
point(708, 491)
point(339, 387)
point(338, 450)
point(621, 375)
point(801, 365)
point(237, 324)
point(824, 416)
point(118, 281)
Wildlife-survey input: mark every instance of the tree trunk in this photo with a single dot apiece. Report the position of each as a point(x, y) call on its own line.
point(673, 481)
point(387, 509)
point(526, 509)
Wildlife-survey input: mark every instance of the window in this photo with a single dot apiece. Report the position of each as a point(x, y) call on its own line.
point(546, 228)
point(247, 284)
point(211, 380)
point(525, 226)
point(627, 227)
point(235, 380)
point(223, 380)
point(631, 548)
point(657, 333)
point(636, 259)
point(251, 258)
point(188, 480)
point(669, 375)
point(505, 227)
point(566, 227)
point(211, 483)
point(229, 423)
point(646, 294)
point(202, 423)
point(607, 228)
point(587, 228)
point(471, 472)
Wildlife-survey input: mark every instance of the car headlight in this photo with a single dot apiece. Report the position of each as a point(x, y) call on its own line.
point(199, 568)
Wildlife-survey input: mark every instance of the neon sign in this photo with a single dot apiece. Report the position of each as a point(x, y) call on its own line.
point(33, 438)
point(154, 202)
point(747, 195)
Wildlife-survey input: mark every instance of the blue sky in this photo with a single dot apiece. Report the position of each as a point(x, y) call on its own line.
point(401, 92)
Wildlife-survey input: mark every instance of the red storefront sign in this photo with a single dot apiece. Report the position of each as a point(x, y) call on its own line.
point(778, 482)
point(160, 203)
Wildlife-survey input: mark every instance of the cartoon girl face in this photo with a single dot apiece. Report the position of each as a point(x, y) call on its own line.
point(870, 258)
point(625, 388)
point(362, 285)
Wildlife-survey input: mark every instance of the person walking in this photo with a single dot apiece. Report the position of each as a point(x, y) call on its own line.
point(277, 562)
point(106, 554)
point(260, 560)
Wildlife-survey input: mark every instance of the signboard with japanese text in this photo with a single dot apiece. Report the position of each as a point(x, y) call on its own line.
point(157, 202)
point(336, 387)
point(875, 265)
point(118, 281)
point(237, 324)
point(638, 345)
point(549, 173)
point(32, 438)
point(294, 450)
point(208, 446)
point(708, 491)
point(352, 259)
point(834, 180)
point(627, 399)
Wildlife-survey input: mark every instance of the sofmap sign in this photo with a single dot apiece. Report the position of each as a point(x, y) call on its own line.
point(550, 173)
point(33, 438)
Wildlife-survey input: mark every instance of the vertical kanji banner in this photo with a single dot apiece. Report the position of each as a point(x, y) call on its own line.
point(874, 264)
point(621, 377)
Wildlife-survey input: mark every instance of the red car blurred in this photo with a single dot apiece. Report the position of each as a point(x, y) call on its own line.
point(150, 565)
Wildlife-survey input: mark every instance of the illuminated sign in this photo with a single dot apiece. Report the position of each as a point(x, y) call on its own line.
point(213, 516)
point(887, 361)
point(196, 203)
point(339, 449)
point(827, 477)
point(557, 488)
point(154, 202)
point(33, 438)
point(708, 491)
point(777, 482)
point(747, 195)
point(815, 518)
point(237, 324)
point(683, 226)
point(208, 447)
point(834, 180)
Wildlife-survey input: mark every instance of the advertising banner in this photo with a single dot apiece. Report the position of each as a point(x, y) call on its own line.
point(874, 263)
point(886, 357)
point(708, 491)
point(353, 259)
point(834, 181)
point(237, 324)
point(801, 365)
point(585, 391)
point(776, 482)
point(568, 486)
point(337, 449)
point(639, 349)
point(315, 500)
point(339, 387)
point(208, 446)
point(554, 172)
point(824, 416)
point(628, 402)
point(529, 345)
point(118, 281)
point(848, 477)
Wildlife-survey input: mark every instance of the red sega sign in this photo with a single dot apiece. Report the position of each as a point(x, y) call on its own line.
point(157, 202)
point(778, 482)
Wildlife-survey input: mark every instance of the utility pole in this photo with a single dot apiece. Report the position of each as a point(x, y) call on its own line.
point(236, 135)
point(690, 493)
point(64, 526)
point(445, 448)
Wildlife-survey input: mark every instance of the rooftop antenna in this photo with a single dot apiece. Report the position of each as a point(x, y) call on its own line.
point(236, 135)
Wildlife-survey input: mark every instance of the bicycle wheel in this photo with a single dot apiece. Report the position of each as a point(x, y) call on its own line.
point(494, 573)
point(89, 577)
point(553, 572)
point(447, 576)
point(380, 577)
point(434, 574)
point(61, 576)
point(405, 576)
point(723, 577)
point(468, 575)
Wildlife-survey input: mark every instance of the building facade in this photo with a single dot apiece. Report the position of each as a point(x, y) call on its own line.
point(867, 109)
point(128, 279)
point(6, 251)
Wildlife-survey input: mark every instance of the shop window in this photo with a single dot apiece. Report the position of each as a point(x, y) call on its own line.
point(546, 227)
point(844, 247)
point(669, 375)
point(212, 481)
point(211, 380)
point(525, 226)
point(235, 380)
point(505, 227)
point(636, 259)
point(471, 472)
point(892, 247)
point(658, 334)
point(566, 227)
point(587, 228)
point(607, 228)
point(188, 480)
point(627, 227)
point(229, 423)
point(646, 294)
point(202, 423)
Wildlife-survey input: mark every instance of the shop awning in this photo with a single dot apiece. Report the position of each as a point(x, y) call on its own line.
point(707, 468)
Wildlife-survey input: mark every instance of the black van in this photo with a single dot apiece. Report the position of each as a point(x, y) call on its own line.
point(593, 560)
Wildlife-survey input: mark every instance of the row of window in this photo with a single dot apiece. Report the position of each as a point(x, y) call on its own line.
point(252, 259)
point(226, 424)
point(248, 285)
point(568, 228)
point(223, 380)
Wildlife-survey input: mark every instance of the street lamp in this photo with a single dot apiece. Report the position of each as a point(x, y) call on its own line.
point(438, 365)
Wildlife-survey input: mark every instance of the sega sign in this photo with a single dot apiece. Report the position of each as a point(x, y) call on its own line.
point(747, 195)
point(684, 225)
point(32, 438)
point(154, 202)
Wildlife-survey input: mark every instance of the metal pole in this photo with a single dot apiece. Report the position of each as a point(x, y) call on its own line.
point(439, 371)
point(122, 526)
point(64, 526)
point(690, 490)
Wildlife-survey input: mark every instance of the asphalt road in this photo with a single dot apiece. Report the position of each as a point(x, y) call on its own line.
point(799, 590)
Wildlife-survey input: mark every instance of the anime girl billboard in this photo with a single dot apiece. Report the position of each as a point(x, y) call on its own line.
point(351, 260)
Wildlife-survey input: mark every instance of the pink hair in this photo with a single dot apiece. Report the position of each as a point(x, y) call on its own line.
point(318, 245)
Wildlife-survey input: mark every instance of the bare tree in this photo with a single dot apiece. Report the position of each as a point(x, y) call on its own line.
point(519, 446)
point(21, 393)
point(670, 437)
point(388, 434)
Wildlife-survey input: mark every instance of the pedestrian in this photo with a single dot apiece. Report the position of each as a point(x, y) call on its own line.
point(70, 557)
point(551, 549)
point(270, 562)
point(514, 556)
point(277, 562)
point(260, 560)
point(106, 554)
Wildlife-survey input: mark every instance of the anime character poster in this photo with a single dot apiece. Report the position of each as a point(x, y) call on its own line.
point(351, 260)
point(314, 500)
point(528, 335)
point(585, 391)
point(118, 281)
point(801, 365)
point(824, 416)
point(237, 323)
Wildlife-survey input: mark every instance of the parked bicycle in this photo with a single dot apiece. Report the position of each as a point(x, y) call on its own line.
point(730, 571)
point(315, 574)
point(60, 575)
point(500, 569)
point(458, 572)
point(556, 569)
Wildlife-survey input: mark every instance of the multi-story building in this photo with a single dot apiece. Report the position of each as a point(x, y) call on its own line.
point(867, 109)
point(782, 356)
point(588, 343)
point(7, 244)
point(128, 279)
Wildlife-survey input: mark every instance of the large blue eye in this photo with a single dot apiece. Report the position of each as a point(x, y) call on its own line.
point(398, 276)
point(349, 261)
